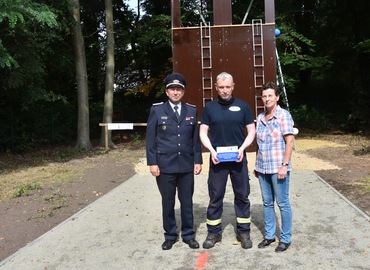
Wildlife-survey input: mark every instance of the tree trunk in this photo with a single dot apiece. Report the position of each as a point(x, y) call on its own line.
point(83, 126)
point(109, 74)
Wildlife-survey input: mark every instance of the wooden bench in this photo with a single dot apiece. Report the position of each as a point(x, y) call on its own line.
point(118, 126)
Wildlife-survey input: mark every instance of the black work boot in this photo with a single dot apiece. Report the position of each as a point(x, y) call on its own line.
point(211, 240)
point(244, 240)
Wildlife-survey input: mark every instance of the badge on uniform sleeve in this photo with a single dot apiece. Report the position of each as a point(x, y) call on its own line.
point(164, 127)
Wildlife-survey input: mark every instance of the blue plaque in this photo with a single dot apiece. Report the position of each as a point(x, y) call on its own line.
point(227, 153)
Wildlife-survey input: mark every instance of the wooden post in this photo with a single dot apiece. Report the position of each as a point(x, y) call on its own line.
point(269, 42)
point(176, 13)
point(269, 11)
point(222, 12)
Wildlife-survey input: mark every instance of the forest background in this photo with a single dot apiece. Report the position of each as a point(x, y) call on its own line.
point(324, 51)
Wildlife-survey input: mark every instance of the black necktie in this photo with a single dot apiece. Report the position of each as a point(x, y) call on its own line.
point(177, 112)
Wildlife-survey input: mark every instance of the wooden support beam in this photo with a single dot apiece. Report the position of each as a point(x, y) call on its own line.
point(269, 11)
point(176, 13)
point(222, 14)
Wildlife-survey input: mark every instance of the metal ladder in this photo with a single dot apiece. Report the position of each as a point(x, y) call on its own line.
point(206, 54)
point(258, 62)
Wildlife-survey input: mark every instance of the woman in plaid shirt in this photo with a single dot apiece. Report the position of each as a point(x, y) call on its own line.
point(275, 141)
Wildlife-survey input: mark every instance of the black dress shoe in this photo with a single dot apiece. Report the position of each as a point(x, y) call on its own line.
point(265, 243)
point(282, 247)
point(168, 244)
point(192, 243)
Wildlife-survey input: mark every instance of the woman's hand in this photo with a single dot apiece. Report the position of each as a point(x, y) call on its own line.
point(282, 172)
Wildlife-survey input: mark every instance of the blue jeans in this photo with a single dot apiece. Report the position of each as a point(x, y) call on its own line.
point(271, 188)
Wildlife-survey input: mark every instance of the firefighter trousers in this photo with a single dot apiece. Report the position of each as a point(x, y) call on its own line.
point(217, 180)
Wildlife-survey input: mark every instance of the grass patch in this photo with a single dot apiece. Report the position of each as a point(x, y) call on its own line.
point(24, 189)
point(21, 182)
point(365, 185)
point(57, 165)
point(57, 200)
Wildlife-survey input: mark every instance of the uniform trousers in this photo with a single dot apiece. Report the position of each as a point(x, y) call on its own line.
point(184, 184)
point(217, 180)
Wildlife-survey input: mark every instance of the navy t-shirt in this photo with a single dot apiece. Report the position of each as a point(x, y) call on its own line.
point(227, 122)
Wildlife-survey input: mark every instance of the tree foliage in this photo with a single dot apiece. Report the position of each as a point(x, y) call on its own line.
point(324, 50)
point(18, 14)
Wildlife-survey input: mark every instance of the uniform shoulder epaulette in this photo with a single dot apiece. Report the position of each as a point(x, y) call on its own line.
point(156, 104)
point(191, 105)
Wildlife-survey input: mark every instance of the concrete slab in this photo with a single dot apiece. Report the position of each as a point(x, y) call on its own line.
point(123, 230)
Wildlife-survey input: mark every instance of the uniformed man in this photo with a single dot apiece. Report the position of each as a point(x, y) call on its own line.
point(224, 120)
point(174, 155)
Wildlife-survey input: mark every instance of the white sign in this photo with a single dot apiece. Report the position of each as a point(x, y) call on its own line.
point(116, 126)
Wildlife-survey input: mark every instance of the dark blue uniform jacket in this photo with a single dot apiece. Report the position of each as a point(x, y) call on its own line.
point(171, 144)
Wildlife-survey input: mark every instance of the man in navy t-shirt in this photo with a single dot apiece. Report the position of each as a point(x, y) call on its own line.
point(223, 123)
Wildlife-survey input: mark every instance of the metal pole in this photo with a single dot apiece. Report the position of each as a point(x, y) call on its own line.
point(246, 14)
point(281, 78)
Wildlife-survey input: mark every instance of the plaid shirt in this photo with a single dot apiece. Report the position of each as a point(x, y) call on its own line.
point(270, 140)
